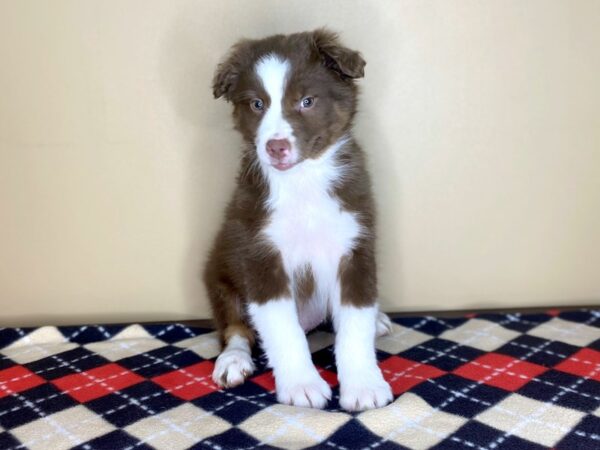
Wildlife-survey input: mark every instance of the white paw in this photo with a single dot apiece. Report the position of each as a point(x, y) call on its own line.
point(372, 392)
point(232, 368)
point(311, 393)
point(383, 324)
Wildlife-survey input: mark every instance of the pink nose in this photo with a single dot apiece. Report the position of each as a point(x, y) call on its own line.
point(278, 148)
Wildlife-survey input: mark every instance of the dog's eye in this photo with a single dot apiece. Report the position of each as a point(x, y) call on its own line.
point(307, 102)
point(257, 104)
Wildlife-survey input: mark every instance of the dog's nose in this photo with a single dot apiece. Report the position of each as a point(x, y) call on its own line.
point(278, 148)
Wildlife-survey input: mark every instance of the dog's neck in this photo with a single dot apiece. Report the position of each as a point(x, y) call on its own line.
point(310, 177)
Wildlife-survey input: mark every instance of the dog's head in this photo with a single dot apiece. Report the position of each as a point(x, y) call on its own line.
point(293, 96)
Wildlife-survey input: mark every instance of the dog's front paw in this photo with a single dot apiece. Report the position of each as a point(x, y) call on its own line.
point(313, 392)
point(371, 392)
point(232, 368)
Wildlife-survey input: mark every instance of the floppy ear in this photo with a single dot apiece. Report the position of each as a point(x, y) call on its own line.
point(348, 63)
point(225, 79)
point(227, 74)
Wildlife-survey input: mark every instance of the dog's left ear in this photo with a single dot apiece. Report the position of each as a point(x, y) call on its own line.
point(348, 63)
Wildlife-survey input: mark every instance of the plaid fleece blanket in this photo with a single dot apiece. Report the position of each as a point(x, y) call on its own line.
point(485, 381)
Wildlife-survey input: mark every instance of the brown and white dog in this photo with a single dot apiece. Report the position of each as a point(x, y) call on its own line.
point(297, 243)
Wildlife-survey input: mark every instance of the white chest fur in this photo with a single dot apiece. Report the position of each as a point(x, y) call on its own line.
point(308, 226)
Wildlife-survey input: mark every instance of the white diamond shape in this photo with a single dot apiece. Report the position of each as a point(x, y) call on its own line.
point(481, 334)
point(206, 345)
point(543, 423)
point(41, 343)
point(178, 428)
point(411, 422)
point(291, 427)
point(131, 341)
point(400, 339)
point(62, 430)
point(572, 333)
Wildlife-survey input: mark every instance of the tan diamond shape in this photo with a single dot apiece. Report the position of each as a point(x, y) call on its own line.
point(206, 345)
point(178, 428)
point(131, 341)
point(535, 421)
point(400, 339)
point(62, 430)
point(41, 343)
point(572, 333)
point(411, 422)
point(480, 334)
point(291, 427)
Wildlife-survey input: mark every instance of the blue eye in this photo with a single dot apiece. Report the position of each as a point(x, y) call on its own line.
point(307, 102)
point(257, 104)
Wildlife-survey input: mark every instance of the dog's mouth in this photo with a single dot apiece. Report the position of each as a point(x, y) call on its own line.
point(282, 166)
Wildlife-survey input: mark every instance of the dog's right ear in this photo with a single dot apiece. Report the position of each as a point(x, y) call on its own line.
point(225, 79)
point(228, 73)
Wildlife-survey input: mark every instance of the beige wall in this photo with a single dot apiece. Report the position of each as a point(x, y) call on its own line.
point(482, 121)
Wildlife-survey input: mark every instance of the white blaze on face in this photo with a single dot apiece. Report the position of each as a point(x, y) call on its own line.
point(272, 71)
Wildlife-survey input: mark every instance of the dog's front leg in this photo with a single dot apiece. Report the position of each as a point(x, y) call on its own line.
point(355, 318)
point(284, 342)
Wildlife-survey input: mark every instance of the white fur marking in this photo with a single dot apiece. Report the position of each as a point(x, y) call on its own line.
point(383, 324)
point(272, 71)
point(234, 363)
point(308, 226)
point(361, 383)
point(297, 380)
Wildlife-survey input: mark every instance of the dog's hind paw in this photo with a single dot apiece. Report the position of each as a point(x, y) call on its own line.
point(383, 324)
point(232, 368)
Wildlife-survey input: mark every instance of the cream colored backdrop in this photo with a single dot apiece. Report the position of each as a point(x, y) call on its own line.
point(482, 121)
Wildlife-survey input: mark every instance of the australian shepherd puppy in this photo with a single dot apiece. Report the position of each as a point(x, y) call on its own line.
point(297, 245)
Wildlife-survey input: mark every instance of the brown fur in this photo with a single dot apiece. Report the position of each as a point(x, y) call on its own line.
point(304, 283)
point(242, 265)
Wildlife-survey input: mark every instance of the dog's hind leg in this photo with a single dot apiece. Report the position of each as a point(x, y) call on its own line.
point(234, 364)
point(383, 324)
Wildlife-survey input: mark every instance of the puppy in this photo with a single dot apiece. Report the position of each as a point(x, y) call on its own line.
point(297, 245)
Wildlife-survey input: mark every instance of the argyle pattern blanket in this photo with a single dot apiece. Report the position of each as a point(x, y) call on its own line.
point(486, 381)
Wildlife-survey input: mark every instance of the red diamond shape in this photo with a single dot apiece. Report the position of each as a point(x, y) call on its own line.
point(329, 376)
point(189, 382)
point(403, 374)
point(97, 382)
point(500, 371)
point(585, 363)
point(267, 380)
point(18, 379)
